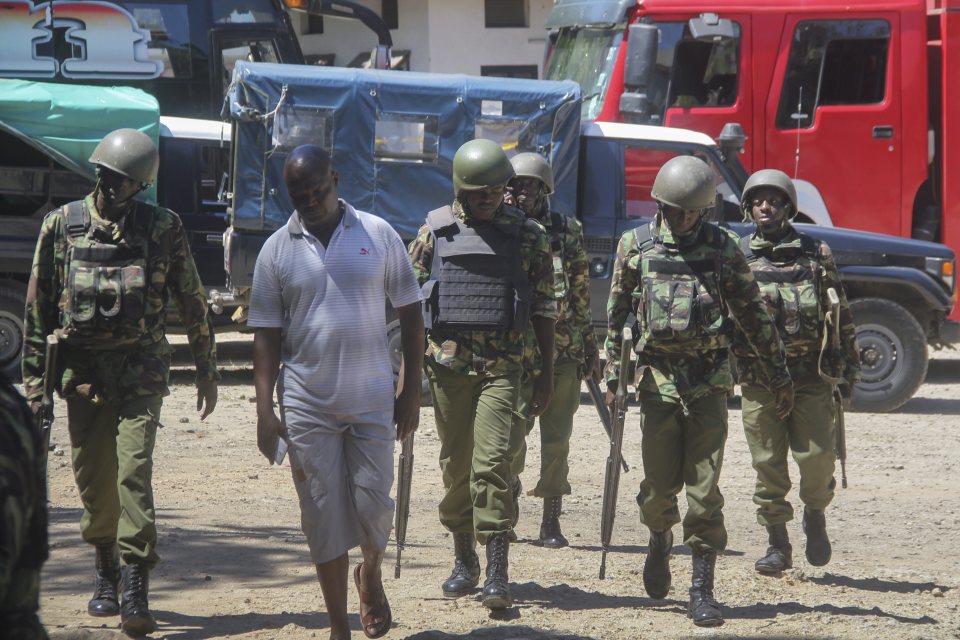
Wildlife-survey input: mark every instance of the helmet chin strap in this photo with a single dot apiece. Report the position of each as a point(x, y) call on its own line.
point(98, 187)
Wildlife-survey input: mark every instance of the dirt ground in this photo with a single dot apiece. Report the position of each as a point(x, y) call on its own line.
point(235, 564)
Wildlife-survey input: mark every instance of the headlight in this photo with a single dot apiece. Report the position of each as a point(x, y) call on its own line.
point(943, 270)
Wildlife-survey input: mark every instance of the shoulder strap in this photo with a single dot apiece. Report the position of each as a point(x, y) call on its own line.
point(76, 218)
point(644, 236)
point(440, 218)
point(747, 249)
point(810, 246)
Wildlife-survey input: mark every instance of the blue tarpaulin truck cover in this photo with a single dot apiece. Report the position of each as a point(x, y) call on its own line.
point(67, 121)
point(392, 135)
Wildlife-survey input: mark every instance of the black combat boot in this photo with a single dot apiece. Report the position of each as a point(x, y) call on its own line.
point(516, 488)
point(550, 535)
point(466, 567)
point(135, 617)
point(779, 553)
point(704, 610)
point(496, 589)
point(106, 578)
point(656, 568)
point(818, 544)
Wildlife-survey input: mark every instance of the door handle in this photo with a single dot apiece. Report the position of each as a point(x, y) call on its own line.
point(883, 131)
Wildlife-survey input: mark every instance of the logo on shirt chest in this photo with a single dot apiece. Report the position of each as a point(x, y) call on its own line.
point(364, 251)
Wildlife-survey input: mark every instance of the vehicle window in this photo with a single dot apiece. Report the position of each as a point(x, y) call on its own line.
point(586, 56)
point(406, 138)
point(251, 50)
point(169, 27)
point(244, 11)
point(641, 167)
point(694, 73)
point(833, 62)
point(214, 164)
point(515, 136)
point(297, 125)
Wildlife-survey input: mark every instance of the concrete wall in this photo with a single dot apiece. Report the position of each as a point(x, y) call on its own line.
point(445, 36)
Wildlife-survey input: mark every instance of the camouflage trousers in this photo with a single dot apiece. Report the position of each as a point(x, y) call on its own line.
point(113, 465)
point(809, 432)
point(556, 426)
point(474, 414)
point(684, 451)
point(20, 586)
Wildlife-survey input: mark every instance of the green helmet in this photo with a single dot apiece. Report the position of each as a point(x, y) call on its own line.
point(685, 182)
point(130, 153)
point(534, 165)
point(773, 178)
point(479, 164)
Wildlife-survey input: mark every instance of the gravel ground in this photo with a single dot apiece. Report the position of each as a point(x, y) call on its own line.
point(235, 564)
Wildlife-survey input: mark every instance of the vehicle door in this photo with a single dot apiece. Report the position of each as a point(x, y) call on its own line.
point(833, 116)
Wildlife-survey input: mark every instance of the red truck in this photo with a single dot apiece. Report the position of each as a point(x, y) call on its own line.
point(853, 98)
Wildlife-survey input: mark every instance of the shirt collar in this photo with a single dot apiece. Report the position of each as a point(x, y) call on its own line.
point(295, 227)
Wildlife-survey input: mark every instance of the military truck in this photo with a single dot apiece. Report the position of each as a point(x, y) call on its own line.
point(47, 132)
point(393, 135)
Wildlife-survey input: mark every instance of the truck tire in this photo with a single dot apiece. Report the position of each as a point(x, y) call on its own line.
point(13, 300)
point(893, 355)
point(393, 341)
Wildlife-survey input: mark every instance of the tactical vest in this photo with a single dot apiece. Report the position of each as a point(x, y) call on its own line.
point(678, 303)
point(556, 231)
point(105, 290)
point(791, 292)
point(476, 280)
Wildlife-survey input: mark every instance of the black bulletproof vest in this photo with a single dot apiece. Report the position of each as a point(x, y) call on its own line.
point(476, 281)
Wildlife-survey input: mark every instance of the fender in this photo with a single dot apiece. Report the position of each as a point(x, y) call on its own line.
point(898, 278)
point(811, 204)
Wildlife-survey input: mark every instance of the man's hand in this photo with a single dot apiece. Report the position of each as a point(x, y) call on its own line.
point(206, 397)
point(784, 401)
point(591, 366)
point(542, 393)
point(406, 411)
point(609, 396)
point(269, 429)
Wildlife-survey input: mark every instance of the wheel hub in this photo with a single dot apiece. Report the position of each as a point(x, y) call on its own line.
point(879, 353)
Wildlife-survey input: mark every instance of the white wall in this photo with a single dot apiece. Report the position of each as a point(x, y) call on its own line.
point(444, 36)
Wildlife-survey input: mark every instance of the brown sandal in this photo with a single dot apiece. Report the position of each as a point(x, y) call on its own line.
point(371, 628)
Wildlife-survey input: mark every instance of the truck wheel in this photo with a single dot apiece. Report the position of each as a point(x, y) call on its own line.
point(893, 355)
point(393, 341)
point(13, 299)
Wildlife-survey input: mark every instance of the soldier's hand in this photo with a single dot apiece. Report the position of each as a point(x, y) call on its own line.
point(542, 393)
point(269, 430)
point(784, 400)
point(406, 411)
point(509, 198)
point(35, 407)
point(592, 366)
point(206, 397)
point(608, 398)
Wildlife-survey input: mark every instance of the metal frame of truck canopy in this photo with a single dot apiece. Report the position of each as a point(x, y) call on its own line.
point(385, 128)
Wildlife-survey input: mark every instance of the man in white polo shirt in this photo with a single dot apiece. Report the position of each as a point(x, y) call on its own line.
point(318, 308)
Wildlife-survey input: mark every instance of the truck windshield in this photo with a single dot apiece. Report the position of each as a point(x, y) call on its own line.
point(586, 56)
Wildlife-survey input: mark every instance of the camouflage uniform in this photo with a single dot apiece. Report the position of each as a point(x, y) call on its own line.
point(474, 378)
point(685, 291)
point(795, 273)
point(574, 341)
point(114, 374)
point(23, 518)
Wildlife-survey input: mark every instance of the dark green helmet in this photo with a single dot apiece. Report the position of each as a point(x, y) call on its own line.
point(534, 165)
point(773, 178)
point(479, 164)
point(685, 182)
point(130, 153)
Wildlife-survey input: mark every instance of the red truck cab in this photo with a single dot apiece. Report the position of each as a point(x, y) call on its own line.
point(850, 98)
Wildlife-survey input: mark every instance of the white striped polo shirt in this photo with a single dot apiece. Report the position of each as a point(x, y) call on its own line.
point(330, 306)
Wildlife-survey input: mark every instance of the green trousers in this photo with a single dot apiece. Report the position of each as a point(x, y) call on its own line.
point(474, 415)
point(684, 451)
point(113, 466)
point(556, 425)
point(19, 603)
point(809, 432)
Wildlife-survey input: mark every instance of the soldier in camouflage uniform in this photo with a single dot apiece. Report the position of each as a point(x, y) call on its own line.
point(486, 272)
point(688, 283)
point(575, 346)
point(103, 272)
point(23, 518)
point(795, 273)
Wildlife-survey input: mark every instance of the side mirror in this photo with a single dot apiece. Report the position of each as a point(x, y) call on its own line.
point(642, 43)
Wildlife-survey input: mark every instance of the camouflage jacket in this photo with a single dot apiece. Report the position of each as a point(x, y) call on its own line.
point(688, 293)
point(795, 274)
point(23, 497)
point(574, 338)
point(500, 351)
point(127, 371)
